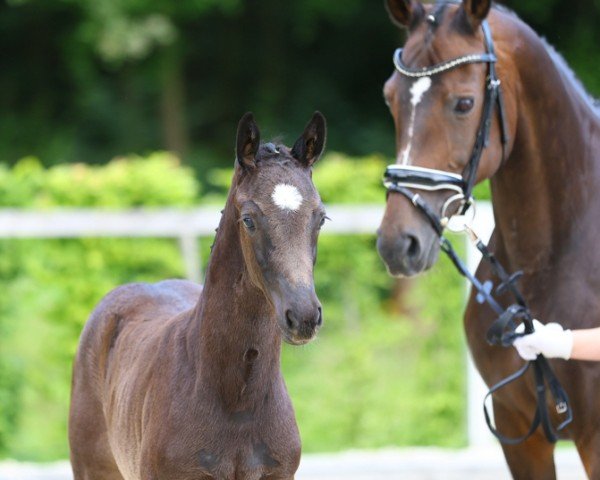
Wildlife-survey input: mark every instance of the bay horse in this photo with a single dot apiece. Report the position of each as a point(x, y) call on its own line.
point(543, 162)
point(179, 382)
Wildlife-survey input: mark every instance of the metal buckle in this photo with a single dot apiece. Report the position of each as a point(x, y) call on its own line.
point(459, 223)
point(561, 407)
point(494, 84)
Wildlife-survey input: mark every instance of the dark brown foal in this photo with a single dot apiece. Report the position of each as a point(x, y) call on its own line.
point(175, 382)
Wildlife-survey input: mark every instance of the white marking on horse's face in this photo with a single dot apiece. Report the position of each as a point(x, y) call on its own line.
point(286, 197)
point(417, 91)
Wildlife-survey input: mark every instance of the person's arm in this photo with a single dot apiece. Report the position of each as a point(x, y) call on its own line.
point(586, 344)
point(552, 341)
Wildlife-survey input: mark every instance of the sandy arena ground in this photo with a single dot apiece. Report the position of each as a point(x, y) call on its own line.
point(406, 464)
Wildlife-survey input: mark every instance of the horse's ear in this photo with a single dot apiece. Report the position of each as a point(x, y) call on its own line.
point(475, 11)
point(248, 141)
point(309, 146)
point(404, 13)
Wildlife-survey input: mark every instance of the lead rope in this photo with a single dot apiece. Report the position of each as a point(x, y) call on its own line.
point(503, 330)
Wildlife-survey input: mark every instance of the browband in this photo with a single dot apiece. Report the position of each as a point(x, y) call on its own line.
point(440, 67)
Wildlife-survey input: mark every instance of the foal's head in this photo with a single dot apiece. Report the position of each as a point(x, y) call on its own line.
point(280, 214)
point(437, 117)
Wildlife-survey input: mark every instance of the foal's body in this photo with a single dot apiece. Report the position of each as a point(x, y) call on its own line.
point(178, 427)
point(546, 197)
point(175, 383)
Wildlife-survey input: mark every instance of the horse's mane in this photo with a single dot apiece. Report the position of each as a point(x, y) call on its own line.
point(565, 69)
point(561, 64)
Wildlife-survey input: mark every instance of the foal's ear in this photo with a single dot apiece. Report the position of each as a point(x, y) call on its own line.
point(404, 13)
point(475, 12)
point(248, 141)
point(309, 146)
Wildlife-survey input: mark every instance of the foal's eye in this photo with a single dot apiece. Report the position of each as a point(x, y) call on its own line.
point(322, 222)
point(248, 223)
point(464, 105)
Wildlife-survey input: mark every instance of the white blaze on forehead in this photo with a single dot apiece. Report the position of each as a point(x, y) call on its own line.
point(286, 197)
point(418, 89)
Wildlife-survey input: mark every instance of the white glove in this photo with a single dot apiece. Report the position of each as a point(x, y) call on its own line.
point(550, 340)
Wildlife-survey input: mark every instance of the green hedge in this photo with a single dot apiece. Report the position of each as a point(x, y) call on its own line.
point(373, 377)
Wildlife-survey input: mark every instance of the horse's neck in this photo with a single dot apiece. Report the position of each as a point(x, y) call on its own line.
point(234, 320)
point(547, 187)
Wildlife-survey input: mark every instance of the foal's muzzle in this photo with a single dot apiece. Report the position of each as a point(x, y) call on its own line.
point(301, 315)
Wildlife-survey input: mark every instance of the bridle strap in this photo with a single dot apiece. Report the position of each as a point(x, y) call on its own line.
point(492, 97)
point(423, 178)
point(440, 67)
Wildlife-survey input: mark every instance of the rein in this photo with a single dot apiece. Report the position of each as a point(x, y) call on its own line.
point(401, 178)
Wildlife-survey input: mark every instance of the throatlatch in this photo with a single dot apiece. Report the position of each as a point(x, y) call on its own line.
point(402, 178)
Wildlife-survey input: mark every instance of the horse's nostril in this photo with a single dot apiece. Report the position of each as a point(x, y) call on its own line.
point(413, 246)
point(320, 317)
point(289, 320)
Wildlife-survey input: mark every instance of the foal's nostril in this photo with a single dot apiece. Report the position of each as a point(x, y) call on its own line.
point(320, 317)
point(289, 319)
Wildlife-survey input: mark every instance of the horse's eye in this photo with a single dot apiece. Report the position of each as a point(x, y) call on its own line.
point(249, 223)
point(464, 105)
point(322, 222)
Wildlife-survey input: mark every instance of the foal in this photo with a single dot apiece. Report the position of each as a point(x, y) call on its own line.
point(175, 382)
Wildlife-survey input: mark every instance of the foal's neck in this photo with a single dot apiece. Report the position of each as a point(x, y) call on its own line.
point(547, 187)
point(236, 329)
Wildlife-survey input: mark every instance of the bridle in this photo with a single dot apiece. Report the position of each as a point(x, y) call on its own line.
point(406, 175)
point(404, 178)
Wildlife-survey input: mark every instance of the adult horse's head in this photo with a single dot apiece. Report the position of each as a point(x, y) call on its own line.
point(280, 214)
point(437, 97)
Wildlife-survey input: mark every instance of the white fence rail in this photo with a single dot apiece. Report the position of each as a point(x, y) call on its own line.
point(188, 225)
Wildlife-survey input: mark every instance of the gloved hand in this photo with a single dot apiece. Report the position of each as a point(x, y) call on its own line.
point(551, 340)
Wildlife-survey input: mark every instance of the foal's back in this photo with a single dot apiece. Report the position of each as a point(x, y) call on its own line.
point(132, 325)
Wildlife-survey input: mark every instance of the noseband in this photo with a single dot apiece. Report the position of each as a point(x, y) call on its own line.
point(404, 178)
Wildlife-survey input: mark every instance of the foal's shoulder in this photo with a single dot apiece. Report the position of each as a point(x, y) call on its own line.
point(137, 303)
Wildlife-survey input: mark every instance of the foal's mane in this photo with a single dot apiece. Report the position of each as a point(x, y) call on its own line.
point(274, 153)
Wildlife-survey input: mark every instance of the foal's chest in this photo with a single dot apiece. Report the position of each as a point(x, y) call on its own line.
point(230, 447)
point(240, 460)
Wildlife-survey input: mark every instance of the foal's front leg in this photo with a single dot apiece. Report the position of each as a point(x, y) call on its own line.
point(532, 459)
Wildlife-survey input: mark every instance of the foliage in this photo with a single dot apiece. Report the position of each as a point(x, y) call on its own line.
point(50, 286)
point(371, 379)
point(343, 180)
point(98, 78)
point(125, 182)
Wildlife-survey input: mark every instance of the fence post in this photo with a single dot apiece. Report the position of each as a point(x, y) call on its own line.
point(191, 257)
point(478, 433)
